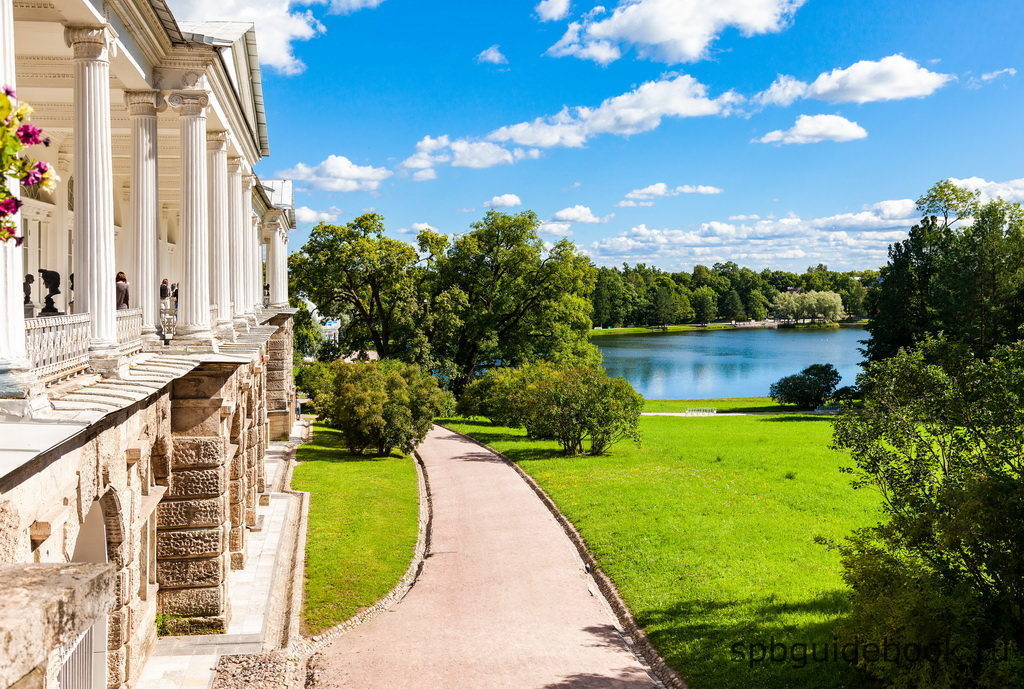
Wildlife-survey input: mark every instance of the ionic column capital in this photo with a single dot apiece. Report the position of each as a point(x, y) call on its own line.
point(189, 103)
point(217, 140)
point(141, 103)
point(91, 41)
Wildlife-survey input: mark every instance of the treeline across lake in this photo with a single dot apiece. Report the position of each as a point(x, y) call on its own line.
point(642, 295)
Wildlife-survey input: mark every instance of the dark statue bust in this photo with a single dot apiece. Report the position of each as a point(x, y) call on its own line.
point(51, 280)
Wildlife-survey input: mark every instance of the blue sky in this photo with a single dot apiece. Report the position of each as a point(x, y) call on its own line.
point(648, 130)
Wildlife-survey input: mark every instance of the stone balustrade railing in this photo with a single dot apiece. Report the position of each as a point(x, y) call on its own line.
point(58, 346)
point(129, 330)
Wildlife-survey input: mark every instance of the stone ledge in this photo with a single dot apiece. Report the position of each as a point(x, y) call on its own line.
point(43, 607)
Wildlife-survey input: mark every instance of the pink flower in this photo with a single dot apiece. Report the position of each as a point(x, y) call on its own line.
point(32, 178)
point(9, 206)
point(29, 135)
point(9, 92)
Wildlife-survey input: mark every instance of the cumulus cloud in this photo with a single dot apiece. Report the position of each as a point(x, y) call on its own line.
point(492, 55)
point(504, 201)
point(556, 229)
point(633, 112)
point(416, 228)
point(669, 30)
point(305, 215)
point(552, 10)
point(337, 173)
point(349, 6)
point(580, 214)
point(432, 151)
point(891, 78)
point(424, 175)
point(810, 129)
point(661, 190)
point(1012, 190)
point(978, 82)
point(279, 24)
point(856, 239)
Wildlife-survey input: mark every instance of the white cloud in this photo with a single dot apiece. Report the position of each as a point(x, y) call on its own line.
point(337, 173)
point(305, 215)
point(416, 228)
point(580, 214)
point(752, 216)
point(349, 6)
point(432, 151)
point(634, 112)
point(504, 201)
point(660, 190)
point(279, 24)
point(1005, 72)
point(556, 229)
point(891, 78)
point(552, 10)
point(492, 55)
point(855, 240)
point(424, 175)
point(810, 129)
point(1011, 190)
point(670, 31)
point(479, 154)
point(630, 203)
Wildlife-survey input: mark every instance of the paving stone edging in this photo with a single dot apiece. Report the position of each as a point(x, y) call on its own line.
point(304, 650)
point(638, 639)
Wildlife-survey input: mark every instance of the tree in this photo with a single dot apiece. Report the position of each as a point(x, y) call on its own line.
point(380, 405)
point(757, 305)
point(497, 296)
point(564, 402)
point(306, 332)
point(705, 304)
point(939, 438)
point(809, 388)
point(354, 272)
point(732, 307)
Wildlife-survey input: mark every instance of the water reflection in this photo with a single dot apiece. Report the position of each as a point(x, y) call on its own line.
point(726, 363)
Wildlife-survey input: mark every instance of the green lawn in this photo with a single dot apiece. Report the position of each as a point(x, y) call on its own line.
point(658, 331)
point(708, 528)
point(362, 527)
point(726, 404)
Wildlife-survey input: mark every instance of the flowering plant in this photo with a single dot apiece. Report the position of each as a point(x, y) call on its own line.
point(15, 134)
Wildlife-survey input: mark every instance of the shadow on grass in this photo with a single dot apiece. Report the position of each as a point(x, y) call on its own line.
point(328, 445)
point(496, 439)
point(799, 417)
point(728, 644)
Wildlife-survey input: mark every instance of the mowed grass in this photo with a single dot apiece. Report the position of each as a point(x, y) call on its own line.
point(708, 528)
point(363, 522)
point(725, 404)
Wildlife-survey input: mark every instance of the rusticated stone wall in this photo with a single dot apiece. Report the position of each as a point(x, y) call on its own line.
point(281, 379)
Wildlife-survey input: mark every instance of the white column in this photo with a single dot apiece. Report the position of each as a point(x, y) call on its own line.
point(145, 207)
point(246, 246)
point(220, 241)
point(194, 288)
point(94, 184)
point(236, 249)
point(277, 265)
point(13, 356)
point(256, 285)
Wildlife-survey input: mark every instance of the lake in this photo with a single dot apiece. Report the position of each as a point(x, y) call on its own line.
point(726, 363)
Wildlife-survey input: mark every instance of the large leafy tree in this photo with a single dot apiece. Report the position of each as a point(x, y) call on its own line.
point(939, 437)
point(498, 296)
point(354, 273)
point(959, 272)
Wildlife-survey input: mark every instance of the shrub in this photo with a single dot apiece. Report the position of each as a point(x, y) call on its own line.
point(572, 404)
point(940, 438)
point(807, 389)
point(380, 405)
point(311, 378)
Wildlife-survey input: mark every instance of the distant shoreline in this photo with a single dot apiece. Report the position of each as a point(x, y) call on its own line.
point(760, 325)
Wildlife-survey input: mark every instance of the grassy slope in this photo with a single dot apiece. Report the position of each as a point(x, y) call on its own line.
point(726, 404)
point(362, 527)
point(708, 540)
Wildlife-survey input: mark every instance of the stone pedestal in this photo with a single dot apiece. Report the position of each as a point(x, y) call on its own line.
point(280, 379)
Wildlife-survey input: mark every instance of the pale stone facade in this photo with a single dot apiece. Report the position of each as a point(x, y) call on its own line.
point(134, 440)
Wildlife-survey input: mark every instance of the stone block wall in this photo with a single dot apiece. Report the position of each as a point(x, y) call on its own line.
point(281, 379)
point(119, 467)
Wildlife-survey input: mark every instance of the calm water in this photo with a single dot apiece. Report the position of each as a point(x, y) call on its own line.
point(726, 363)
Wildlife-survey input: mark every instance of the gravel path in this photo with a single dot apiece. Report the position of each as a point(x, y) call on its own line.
point(502, 601)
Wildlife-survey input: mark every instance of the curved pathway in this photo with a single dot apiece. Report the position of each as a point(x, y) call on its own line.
point(502, 600)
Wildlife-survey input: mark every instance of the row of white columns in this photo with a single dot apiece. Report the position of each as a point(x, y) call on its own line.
point(219, 238)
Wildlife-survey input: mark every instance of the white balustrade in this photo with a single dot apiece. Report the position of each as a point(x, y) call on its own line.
point(129, 330)
point(58, 346)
